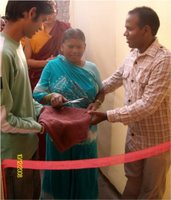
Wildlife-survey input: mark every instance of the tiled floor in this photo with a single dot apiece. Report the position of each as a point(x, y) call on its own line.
point(106, 189)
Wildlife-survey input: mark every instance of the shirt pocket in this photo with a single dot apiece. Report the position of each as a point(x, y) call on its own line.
point(125, 74)
point(141, 79)
point(125, 77)
point(126, 71)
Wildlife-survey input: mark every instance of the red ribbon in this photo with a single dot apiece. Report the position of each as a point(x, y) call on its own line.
point(86, 163)
point(90, 163)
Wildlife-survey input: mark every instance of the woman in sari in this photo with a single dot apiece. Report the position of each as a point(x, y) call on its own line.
point(42, 47)
point(68, 77)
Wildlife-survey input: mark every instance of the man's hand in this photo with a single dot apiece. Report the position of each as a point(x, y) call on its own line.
point(42, 130)
point(97, 117)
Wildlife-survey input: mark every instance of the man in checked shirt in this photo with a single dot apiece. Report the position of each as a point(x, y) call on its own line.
point(146, 77)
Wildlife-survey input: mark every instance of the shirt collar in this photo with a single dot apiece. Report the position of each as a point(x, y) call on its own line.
point(151, 50)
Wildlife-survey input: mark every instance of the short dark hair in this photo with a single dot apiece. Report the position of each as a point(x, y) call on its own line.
point(15, 9)
point(73, 33)
point(147, 16)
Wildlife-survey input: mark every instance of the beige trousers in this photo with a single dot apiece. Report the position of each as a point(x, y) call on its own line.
point(146, 179)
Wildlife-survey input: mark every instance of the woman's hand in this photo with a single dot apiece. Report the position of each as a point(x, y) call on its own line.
point(50, 58)
point(98, 101)
point(94, 106)
point(57, 100)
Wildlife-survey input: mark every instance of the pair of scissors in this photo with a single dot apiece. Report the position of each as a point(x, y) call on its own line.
point(73, 101)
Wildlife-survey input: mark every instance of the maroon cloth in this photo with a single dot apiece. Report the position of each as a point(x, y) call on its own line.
point(52, 47)
point(42, 146)
point(66, 126)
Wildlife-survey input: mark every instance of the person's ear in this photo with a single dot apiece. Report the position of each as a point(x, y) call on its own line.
point(147, 29)
point(32, 13)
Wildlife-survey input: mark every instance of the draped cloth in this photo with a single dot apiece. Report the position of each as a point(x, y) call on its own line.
point(51, 47)
point(66, 126)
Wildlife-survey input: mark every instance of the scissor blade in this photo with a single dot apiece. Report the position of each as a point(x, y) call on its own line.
point(73, 101)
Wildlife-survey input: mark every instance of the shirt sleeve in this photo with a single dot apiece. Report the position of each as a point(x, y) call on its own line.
point(10, 123)
point(114, 81)
point(42, 88)
point(37, 107)
point(155, 91)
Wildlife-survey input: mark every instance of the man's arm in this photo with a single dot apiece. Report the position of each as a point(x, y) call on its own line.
point(114, 81)
point(155, 91)
point(10, 123)
point(159, 86)
point(109, 85)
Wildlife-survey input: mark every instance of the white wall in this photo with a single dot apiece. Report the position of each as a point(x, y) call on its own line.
point(103, 24)
point(2, 7)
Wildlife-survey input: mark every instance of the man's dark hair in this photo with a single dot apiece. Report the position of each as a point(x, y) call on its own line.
point(15, 9)
point(147, 16)
point(73, 33)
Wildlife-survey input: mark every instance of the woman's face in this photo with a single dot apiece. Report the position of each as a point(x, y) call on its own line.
point(51, 18)
point(73, 50)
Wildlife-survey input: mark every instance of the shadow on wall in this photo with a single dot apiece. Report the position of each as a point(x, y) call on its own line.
point(105, 129)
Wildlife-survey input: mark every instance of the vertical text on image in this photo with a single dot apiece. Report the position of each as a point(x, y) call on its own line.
point(19, 166)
